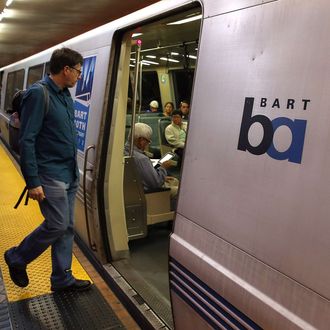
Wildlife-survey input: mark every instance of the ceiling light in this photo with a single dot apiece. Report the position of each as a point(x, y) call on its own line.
point(186, 20)
point(5, 13)
point(173, 53)
point(150, 62)
point(169, 59)
point(136, 35)
point(151, 56)
point(192, 56)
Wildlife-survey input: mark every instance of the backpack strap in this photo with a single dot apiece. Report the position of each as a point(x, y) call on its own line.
point(46, 95)
point(21, 197)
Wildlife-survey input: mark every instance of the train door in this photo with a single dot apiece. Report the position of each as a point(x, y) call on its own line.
point(139, 225)
point(88, 95)
point(250, 247)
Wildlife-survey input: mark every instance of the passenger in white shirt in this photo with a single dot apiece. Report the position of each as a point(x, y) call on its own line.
point(175, 133)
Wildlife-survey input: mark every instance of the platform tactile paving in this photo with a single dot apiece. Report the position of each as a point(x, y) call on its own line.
point(66, 310)
point(15, 224)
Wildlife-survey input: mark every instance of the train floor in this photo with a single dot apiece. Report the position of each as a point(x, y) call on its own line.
point(36, 306)
point(147, 269)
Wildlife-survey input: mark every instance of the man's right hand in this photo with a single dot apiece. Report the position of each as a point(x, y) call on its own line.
point(37, 194)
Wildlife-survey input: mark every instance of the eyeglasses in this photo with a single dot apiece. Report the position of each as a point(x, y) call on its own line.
point(149, 141)
point(79, 71)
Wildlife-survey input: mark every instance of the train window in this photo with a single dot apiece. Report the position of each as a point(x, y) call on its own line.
point(35, 74)
point(182, 84)
point(150, 88)
point(15, 81)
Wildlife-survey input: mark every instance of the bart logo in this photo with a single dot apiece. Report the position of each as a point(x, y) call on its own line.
point(297, 127)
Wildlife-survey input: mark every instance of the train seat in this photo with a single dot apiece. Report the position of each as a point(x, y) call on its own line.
point(128, 125)
point(163, 144)
point(143, 208)
point(152, 121)
point(159, 206)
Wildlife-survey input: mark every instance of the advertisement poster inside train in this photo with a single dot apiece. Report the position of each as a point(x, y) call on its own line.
point(83, 99)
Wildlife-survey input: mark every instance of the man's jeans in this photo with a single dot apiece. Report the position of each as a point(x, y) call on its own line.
point(55, 231)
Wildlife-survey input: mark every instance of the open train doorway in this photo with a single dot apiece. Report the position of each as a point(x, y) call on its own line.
point(156, 66)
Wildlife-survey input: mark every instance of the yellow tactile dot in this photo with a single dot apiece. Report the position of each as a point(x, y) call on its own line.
point(14, 226)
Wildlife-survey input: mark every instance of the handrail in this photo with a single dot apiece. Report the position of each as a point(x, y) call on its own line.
point(135, 92)
point(92, 245)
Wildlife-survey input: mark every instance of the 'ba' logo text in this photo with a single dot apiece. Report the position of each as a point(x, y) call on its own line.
point(297, 127)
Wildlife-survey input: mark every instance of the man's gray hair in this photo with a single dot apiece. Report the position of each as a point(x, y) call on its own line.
point(142, 130)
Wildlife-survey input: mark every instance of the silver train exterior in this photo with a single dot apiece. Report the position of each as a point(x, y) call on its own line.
point(250, 246)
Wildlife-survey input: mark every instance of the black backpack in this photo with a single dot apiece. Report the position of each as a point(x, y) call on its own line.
point(17, 111)
point(17, 101)
point(18, 97)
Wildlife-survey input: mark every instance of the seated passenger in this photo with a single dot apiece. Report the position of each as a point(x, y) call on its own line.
point(175, 133)
point(152, 178)
point(168, 108)
point(153, 107)
point(184, 108)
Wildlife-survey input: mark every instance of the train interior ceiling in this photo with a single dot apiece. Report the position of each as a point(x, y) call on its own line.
point(169, 50)
point(168, 54)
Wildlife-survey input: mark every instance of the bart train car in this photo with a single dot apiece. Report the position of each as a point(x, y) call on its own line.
point(250, 246)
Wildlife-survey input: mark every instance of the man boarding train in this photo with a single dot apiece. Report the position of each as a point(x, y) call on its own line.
point(48, 162)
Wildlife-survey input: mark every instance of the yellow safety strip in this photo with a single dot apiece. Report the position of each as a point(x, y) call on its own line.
point(14, 226)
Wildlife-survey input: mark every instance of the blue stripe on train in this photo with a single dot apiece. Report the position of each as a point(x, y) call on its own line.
point(199, 302)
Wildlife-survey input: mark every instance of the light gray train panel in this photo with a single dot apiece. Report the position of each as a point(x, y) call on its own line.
point(218, 7)
point(256, 168)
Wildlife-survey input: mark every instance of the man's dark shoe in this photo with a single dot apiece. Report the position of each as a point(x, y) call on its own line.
point(17, 274)
point(78, 285)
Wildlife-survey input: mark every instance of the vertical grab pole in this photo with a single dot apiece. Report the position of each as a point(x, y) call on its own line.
point(140, 85)
point(92, 245)
point(135, 92)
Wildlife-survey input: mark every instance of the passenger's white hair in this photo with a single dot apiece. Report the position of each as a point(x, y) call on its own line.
point(142, 130)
